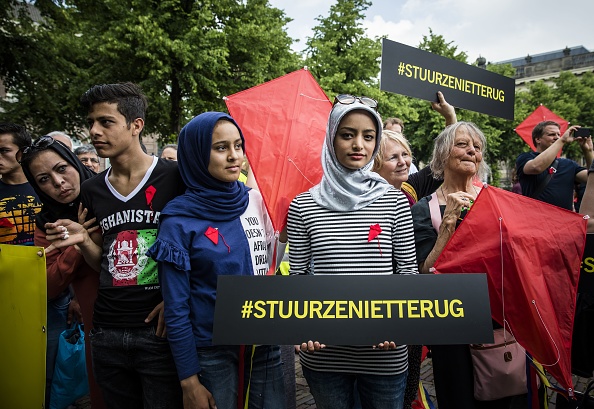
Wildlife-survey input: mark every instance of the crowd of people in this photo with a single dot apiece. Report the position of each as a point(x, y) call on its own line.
point(135, 251)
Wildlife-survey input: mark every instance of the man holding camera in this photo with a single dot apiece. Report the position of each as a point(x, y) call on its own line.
point(545, 177)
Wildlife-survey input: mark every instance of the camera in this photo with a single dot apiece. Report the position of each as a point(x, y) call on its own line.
point(582, 132)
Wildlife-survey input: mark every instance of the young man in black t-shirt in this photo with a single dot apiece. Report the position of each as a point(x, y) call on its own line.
point(132, 360)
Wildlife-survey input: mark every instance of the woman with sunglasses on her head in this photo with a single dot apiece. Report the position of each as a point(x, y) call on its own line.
point(56, 175)
point(345, 204)
point(217, 227)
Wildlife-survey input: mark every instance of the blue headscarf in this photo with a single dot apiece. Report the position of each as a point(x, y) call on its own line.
point(205, 198)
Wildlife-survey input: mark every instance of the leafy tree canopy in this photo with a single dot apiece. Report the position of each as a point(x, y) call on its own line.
point(186, 55)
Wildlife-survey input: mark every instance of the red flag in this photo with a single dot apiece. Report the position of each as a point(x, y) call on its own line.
point(540, 114)
point(284, 124)
point(531, 252)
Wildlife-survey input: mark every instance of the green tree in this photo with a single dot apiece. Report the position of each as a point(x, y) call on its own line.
point(15, 23)
point(38, 74)
point(185, 54)
point(437, 44)
point(345, 60)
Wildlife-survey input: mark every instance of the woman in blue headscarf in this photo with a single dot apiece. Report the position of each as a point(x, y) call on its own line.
point(209, 231)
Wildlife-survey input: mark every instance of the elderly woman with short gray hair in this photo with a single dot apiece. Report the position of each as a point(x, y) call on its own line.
point(458, 157)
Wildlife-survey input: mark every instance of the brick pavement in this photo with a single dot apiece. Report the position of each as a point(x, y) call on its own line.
point(306, 401)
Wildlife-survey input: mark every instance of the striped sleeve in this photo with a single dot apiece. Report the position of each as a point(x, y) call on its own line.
point(300, 253)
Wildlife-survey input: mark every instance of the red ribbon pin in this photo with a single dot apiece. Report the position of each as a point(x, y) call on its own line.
point(213, 234)
point(374, 231)
point(150, 194)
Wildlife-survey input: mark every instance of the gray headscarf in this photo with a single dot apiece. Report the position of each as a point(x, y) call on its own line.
point(344, 189)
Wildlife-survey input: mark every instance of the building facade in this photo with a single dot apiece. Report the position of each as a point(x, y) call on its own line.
point(547, 66)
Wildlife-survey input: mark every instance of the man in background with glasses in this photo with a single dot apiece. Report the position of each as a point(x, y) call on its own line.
point(88, 156)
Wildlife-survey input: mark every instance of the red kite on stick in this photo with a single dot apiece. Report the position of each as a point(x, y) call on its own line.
point(284, 124)
point(539, 115)
point(531, 252)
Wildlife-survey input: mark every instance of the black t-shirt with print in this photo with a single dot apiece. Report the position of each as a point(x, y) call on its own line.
point(18, 206)
point(128, 284)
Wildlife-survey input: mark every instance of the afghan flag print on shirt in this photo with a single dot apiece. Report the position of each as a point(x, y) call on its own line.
point(127, 260)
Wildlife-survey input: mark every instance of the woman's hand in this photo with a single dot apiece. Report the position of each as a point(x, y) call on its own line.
point(196, 396)
point(386, 345)
point(456, 203)
point(74, 312)
point(64, 232)
point(311, 346)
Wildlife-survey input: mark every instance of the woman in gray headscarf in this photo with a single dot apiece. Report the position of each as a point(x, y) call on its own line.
point(328, 229)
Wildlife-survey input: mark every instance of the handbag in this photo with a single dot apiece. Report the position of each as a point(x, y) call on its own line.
point(499, 368)
point(70, 380)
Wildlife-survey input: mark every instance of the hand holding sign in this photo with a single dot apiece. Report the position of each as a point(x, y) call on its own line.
point(416, 73)
point(311, 346)
point(352, 310)
point(386, 345)
point(443, 108)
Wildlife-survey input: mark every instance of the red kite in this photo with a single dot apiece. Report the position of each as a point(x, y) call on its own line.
point(540, 114)
point(531, 252)
point(284, 125)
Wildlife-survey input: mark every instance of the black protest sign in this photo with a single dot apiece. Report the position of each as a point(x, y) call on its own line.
point(586, 283)
point(409, 71)
point(353, 310)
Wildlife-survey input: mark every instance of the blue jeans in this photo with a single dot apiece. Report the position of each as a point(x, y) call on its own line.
point(335, 390)
point(220, 375)
point(57, 315)
point(134, 369)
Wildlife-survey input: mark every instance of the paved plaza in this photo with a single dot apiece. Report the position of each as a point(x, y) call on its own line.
point(306, 401)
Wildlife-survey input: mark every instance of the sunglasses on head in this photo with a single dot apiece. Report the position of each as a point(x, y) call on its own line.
point(347, 99)
point(38, 145)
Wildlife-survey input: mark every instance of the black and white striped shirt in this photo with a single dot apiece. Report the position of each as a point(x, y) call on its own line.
point(331, 242)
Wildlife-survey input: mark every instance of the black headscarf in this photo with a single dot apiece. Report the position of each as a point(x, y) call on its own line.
point(53, 210)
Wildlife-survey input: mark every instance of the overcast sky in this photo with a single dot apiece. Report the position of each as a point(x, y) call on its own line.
point(497, 30)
